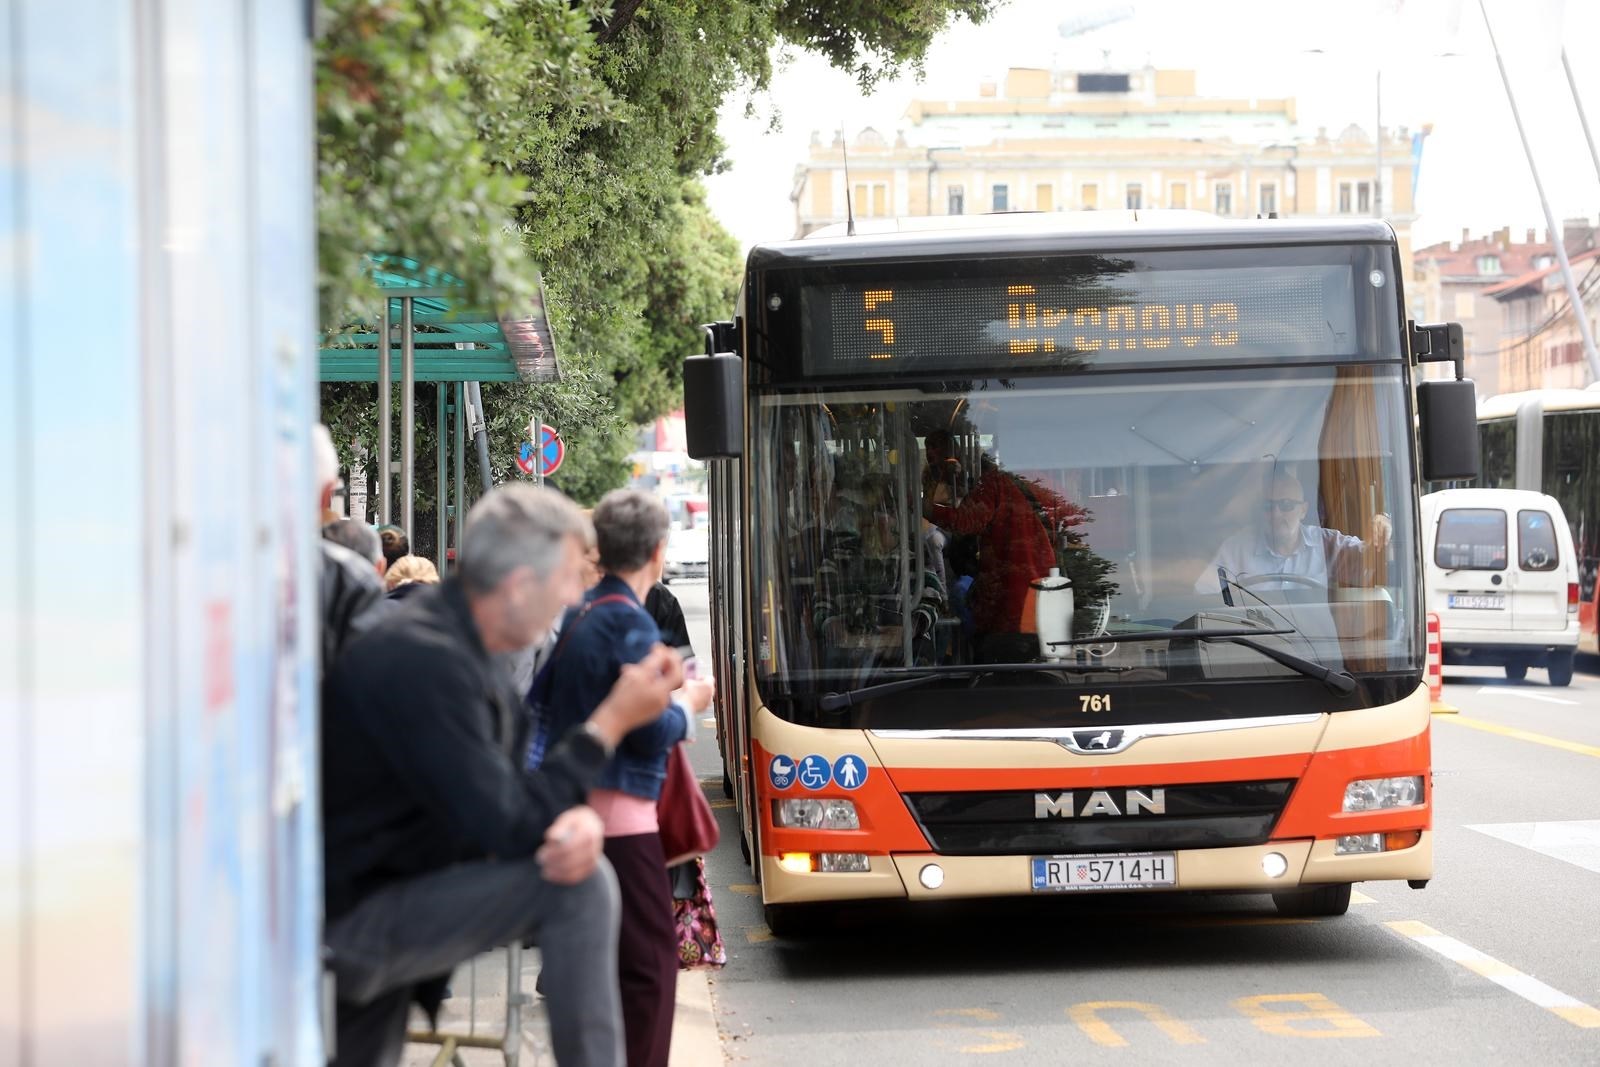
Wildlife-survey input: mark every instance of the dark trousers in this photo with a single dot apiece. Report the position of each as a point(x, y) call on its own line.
point(647, 947)
point(422, 928)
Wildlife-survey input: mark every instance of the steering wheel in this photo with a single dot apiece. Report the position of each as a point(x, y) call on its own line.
point(1293, 579)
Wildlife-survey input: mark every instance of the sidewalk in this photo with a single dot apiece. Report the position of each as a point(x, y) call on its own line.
point(694, 1030)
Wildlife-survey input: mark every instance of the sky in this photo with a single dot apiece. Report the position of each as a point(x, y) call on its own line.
point(1434, 57)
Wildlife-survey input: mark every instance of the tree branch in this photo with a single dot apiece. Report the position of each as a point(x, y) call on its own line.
point(621, 16)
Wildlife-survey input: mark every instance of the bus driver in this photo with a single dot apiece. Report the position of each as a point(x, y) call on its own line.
point(1281, 545)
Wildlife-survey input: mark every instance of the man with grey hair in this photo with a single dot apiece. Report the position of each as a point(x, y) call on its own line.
point(350, 593)
point(438, 846)
point(359, 538)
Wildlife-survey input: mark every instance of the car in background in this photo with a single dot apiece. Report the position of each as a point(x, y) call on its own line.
point(688, 554)
point(1502, 576)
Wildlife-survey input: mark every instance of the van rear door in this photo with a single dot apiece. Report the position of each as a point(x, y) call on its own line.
point(1471, 549)
point(1538, 581)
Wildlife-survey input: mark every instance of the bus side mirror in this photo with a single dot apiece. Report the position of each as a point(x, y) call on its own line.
point(713, 406)
point(1448, 414)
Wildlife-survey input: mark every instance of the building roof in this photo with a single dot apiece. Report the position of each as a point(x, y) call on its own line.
point(1507, 289)
point(1461, 261)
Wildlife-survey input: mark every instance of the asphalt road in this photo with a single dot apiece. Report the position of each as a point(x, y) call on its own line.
point(1498, 959)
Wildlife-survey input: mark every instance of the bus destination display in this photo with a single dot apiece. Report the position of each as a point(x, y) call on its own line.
point(1127, 318)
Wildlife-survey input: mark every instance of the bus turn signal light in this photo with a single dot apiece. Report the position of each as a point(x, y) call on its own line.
point(1399, 839)
point(796, 862)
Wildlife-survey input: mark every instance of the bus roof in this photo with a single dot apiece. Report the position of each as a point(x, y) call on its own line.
point(1047, 233)
point(1505, 405)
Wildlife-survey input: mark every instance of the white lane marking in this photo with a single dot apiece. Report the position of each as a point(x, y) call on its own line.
point(1577, 842)
point(1358, 897)
point(1507, 691)
point(1504, 975)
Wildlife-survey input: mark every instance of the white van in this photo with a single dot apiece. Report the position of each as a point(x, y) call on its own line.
point(1502, 576)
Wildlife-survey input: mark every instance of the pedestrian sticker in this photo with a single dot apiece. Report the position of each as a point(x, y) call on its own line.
point(814, 772)
point(780, 772)
point(849, 771)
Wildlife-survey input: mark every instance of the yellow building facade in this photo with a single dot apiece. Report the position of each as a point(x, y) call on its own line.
point(1053, 140)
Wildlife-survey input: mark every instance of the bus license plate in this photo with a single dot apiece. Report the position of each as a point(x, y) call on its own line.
point(1117, 870)
point(1479, 601)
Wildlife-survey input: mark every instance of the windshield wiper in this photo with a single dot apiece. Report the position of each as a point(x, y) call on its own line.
point(924, 675)
point(1341, 682)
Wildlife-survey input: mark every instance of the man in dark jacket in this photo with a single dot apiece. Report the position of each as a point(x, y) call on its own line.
point(437, 845)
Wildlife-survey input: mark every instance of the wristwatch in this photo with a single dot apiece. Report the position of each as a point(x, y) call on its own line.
point(595, 734)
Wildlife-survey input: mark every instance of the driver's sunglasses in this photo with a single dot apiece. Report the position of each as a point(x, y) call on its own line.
point(1285, 505)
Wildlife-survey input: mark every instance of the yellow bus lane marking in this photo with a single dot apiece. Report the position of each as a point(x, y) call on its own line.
point(755, 935)
point(1330, 1020)
point(1504, 975)
point(1526, 735)
point(1087, 1018)
point(744, 889)
point(995, 1040)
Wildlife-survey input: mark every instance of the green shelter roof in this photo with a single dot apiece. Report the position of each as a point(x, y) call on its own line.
point(502, 347)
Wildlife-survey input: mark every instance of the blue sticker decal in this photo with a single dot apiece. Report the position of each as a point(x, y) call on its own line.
point(814, 772)
point(780, 772)
point(849, 771)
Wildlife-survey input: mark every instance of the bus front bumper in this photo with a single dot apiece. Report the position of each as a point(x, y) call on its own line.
point(1238, 869)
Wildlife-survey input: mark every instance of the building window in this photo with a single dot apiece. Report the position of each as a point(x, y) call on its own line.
point(955, 201)
point(1269, 199)
point(1044, 198)
point(1135, 196)
point(1465, 306)
point(1178, 194)
point(1345, 200)
point(1091, 197)
point(1488, 264)
point(1002, 197)
point(871, 198)
point(1224, 198)
point(1363, 198)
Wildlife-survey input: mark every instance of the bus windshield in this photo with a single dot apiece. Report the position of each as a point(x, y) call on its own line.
point(928, 526)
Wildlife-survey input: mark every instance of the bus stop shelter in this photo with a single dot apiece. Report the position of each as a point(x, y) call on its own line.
point(435, 336)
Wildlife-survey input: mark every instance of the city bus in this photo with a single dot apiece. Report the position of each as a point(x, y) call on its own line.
point(1548, 441)
point(994, 504)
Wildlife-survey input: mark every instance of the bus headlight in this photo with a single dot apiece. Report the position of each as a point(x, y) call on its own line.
point(812, 814)
point(1376, 794)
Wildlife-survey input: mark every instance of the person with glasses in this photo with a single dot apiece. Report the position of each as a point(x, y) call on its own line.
point(1282, 545)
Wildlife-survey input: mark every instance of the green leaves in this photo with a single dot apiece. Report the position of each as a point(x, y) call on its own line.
point(488, 137)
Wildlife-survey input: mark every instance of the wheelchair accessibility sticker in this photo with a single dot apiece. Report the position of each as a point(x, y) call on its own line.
point(814, 772)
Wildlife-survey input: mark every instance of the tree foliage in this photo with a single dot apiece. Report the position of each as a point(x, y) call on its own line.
point(495, 139)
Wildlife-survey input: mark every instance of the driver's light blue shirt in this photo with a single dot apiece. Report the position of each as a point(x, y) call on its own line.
point(1248, 553)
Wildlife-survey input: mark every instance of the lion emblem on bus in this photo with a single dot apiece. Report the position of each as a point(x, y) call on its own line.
point(1097, 740)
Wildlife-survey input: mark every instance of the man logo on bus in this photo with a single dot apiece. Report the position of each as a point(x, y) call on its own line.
point(1100, 802)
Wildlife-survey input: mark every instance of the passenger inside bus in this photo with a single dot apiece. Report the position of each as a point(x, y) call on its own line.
point(1013, 547)
point(872, 603)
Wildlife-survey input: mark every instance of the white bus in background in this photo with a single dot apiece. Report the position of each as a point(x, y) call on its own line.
point(160, 856)
point(1548, 441)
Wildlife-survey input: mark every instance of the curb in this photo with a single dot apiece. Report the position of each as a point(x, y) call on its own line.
point(695, 1042)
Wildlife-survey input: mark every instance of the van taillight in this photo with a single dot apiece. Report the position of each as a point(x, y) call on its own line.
point(1572, 596)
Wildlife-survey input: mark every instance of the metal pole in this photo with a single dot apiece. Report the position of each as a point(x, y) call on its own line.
point(1582, 119)
point(461, 463)
point(1579, 312)
point(385, 425)
point(408, 419)
point(536, 431)
point(1377, 189)
point(480, 435)
point(441, 469)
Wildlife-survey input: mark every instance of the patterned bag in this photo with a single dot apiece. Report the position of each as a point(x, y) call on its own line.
point(699, 940)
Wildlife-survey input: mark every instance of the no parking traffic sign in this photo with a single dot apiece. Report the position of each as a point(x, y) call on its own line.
point(547, 458)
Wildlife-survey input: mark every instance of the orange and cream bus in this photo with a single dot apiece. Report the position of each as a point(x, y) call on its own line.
point(1070, 553)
